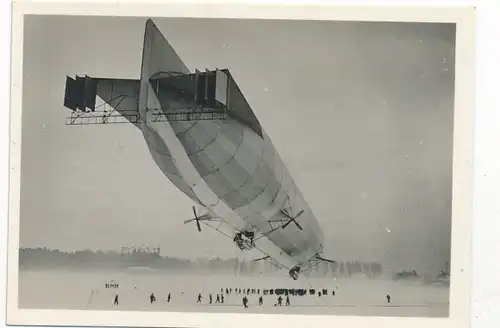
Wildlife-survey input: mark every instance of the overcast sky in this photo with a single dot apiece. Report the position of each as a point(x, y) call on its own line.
point(361, 113)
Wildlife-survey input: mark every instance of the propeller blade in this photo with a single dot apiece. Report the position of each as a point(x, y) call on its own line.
point(194, 212)
point(298, 225)
point(286, 224)
point(325, 260)
point(198, 225)
point(190, 220)
point(299, 214)
point(261, 258)
point(285, 214)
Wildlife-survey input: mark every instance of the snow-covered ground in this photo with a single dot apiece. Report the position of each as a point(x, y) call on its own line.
point(353, 296)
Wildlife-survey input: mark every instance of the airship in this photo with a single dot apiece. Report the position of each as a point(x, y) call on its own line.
point(205, 138)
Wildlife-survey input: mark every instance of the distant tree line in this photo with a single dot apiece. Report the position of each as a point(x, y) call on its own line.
point(45, 258)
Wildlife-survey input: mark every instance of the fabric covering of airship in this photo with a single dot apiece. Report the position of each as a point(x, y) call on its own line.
point(228, 164)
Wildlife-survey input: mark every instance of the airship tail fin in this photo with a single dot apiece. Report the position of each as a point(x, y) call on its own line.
point(158, 56)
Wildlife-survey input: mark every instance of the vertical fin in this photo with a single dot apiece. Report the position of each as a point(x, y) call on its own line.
point(157, 56)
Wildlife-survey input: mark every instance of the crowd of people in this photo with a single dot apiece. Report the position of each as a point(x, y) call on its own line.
point(219, 298)
point(281, 293)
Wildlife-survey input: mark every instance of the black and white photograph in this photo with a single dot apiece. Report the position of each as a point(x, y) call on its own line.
point(238, 166)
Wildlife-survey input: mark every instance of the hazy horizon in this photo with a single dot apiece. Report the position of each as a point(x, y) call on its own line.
point(149, 252)
point(361, 113)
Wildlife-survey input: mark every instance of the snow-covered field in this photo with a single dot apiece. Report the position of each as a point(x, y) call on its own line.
point(353, 296)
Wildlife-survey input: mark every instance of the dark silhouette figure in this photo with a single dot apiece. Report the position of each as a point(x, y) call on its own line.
point(210, 299)
point(227, 291)
point(261, 300)
point(152, 298)
point(388, 298)
point(199, 298)
point(222, 298)
point(115, 303)
point(218, 299)
point(287, 301)
point(333, 293)
point(280, 300)
point(245, 302)
point(168, 298)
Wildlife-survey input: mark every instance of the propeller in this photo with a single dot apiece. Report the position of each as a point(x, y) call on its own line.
point(197, 219)
point(292, 219)
point(204, 217)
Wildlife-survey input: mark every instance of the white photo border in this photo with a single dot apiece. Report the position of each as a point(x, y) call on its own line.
point(462, 222)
